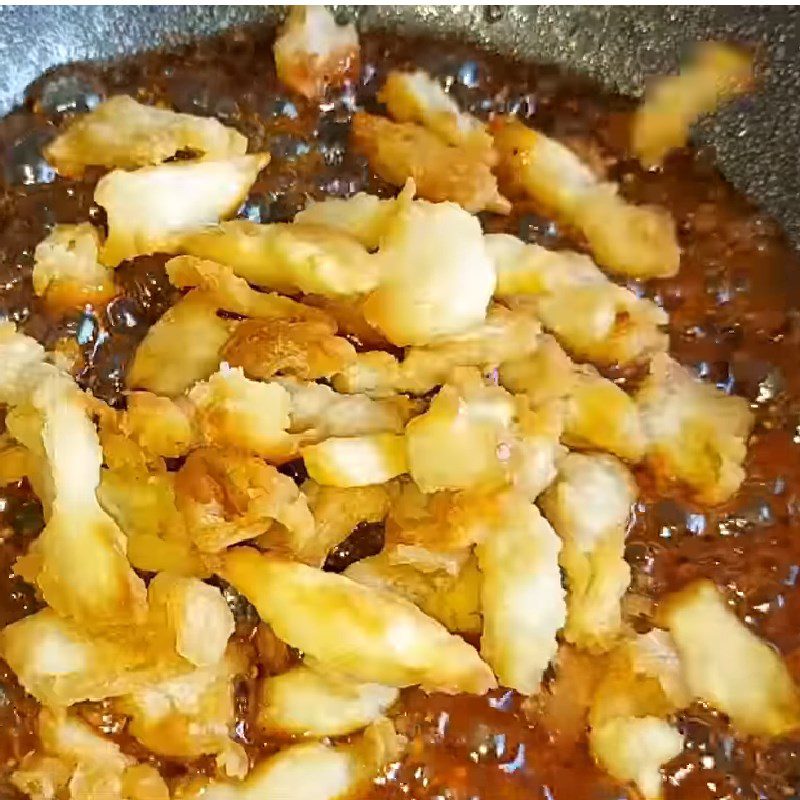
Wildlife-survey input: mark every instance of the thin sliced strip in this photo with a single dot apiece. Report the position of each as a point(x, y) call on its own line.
point(123, 133)
point(313, 53)
point(416, 97)
point(716, 74)
point(696, 435)
point(589, 505)
point(149, 209)
point(728, 666)
point(521, 596)
point(399, 151)
point(307, 702)
point(183, 347)
point(636, 241)
point(372, 636)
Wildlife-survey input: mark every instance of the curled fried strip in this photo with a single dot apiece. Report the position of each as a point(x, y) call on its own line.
point(348, 628)
point(288, 257)
point(695, 434)
point(227, 497)
point(597, 414)
point(123, 133)
point(234, 295)
point(637, 241)
point(314, 53)
point(503, 335)
point(728, 666)
point(183, 347)
point(306, 350)
point(521, 595)
point(589, 505)
point(716, 74)
point(148, 209)
point(307, 702)
point(66, 270)
point(398, 151)
point(416, 97)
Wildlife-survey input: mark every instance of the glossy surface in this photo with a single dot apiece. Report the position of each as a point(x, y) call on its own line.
point(734, 318)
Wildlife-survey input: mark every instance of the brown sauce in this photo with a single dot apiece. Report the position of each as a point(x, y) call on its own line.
point(733, 317)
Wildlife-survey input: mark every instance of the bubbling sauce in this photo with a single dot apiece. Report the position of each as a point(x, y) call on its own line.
point(733, 318)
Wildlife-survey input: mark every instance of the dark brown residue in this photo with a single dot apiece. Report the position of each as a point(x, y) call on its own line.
point(733, 317)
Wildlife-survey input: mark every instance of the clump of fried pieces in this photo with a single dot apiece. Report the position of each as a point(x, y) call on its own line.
point(495, 453)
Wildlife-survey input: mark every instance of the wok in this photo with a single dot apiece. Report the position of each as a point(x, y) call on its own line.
point(756, 139)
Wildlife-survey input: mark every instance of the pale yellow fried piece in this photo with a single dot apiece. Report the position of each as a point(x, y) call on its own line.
point(716, 74)
point(451, 598)
point(398, 151)
point(356, 460)
point(363, 216)
point(337, 512)
point(317, 412)
point(521, 595)
point(66, 270)
point(728, 666)
point(311, 770)
point(589, 506)
point(123, 133)
point(183, 347)
point(454, 444)
point(416, 97)
point(149, 209)
point(437, 275)
point(16, 461)
point(76, 762)
point(597, 414)
point(160, 426)
point(636, 241)
point(228, 497)
point(372, 636)
point(195, 613)
point(189, 715)
point(307, 702)
point(230, 410)
point(61, 663)
point(696, 435)
point(504, 334)
point(313, 53)
point(633, 750)
point(234, 295)
point(78, 562)
point(305, 350)
point(288, 257)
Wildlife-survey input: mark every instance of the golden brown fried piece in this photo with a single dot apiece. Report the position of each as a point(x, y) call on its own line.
point(696, 435)
point(398, 151)
point(227, 497)
point(230, 410)
point(16, 461)
point(66, 269)
point(150, 208)
point(123, 133)
point(636, 241)
point(183, 347)
point(288, 257)
point(308, 702)
point(589, 506)
point(348, 315)
point(234, 295)
point(727, 666)
point(716, 74)
point(521, 595)
point(305, 350)
point(313, 53)
point(416, 97)
point(369, 635)
point(160, 426)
